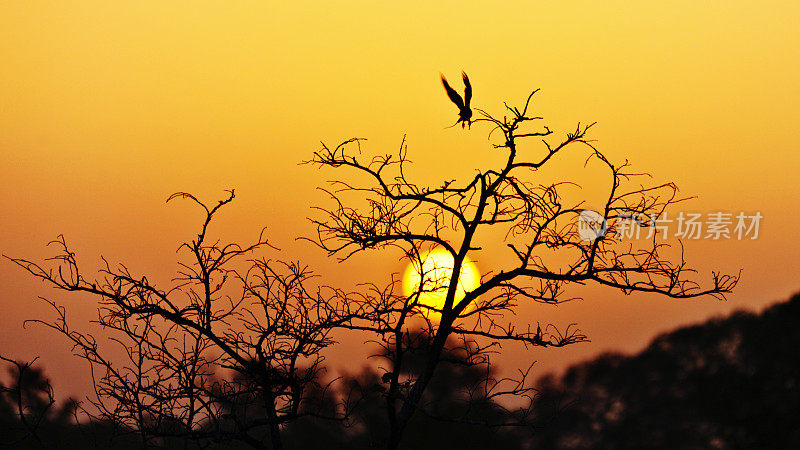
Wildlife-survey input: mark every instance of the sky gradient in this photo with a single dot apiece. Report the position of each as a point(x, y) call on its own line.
point(106, 109)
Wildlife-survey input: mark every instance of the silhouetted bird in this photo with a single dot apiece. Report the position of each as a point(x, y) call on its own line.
point(464, 112)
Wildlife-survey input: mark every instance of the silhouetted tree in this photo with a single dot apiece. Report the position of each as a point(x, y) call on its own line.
point(229, 331)
point(458, 407)
point(30, 417)
point(727, 383)
point(231, 352)
point(541, 231)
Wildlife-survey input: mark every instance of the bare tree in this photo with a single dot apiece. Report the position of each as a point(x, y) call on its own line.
point(233, 349)
point(511, 200)
point(229, 352)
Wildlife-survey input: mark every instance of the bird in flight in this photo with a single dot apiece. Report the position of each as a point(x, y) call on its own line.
point(464, 111)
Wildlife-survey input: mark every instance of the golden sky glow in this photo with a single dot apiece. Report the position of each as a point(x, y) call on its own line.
point(106, 108)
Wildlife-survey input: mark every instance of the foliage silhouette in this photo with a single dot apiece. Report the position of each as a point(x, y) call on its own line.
point(454, 392)
point(30, 417)
point(457, 405)
point(726, 383)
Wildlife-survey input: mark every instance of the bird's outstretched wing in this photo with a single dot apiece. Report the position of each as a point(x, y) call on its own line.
point(467, 89)
point(454, 97)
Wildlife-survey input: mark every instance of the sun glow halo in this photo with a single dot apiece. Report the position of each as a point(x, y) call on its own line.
point(434, 275)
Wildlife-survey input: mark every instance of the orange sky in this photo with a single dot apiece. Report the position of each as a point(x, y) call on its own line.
point(106, 109)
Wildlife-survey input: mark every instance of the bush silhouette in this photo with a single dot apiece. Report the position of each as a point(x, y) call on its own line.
point(727, 383)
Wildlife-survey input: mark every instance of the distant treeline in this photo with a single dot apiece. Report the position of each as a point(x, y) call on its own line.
point(727, 383)
point(732, 382)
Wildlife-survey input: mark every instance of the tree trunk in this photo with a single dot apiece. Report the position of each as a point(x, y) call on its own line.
point(410, 405)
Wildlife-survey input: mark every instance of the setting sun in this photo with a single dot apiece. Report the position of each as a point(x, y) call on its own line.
point(434, 274)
